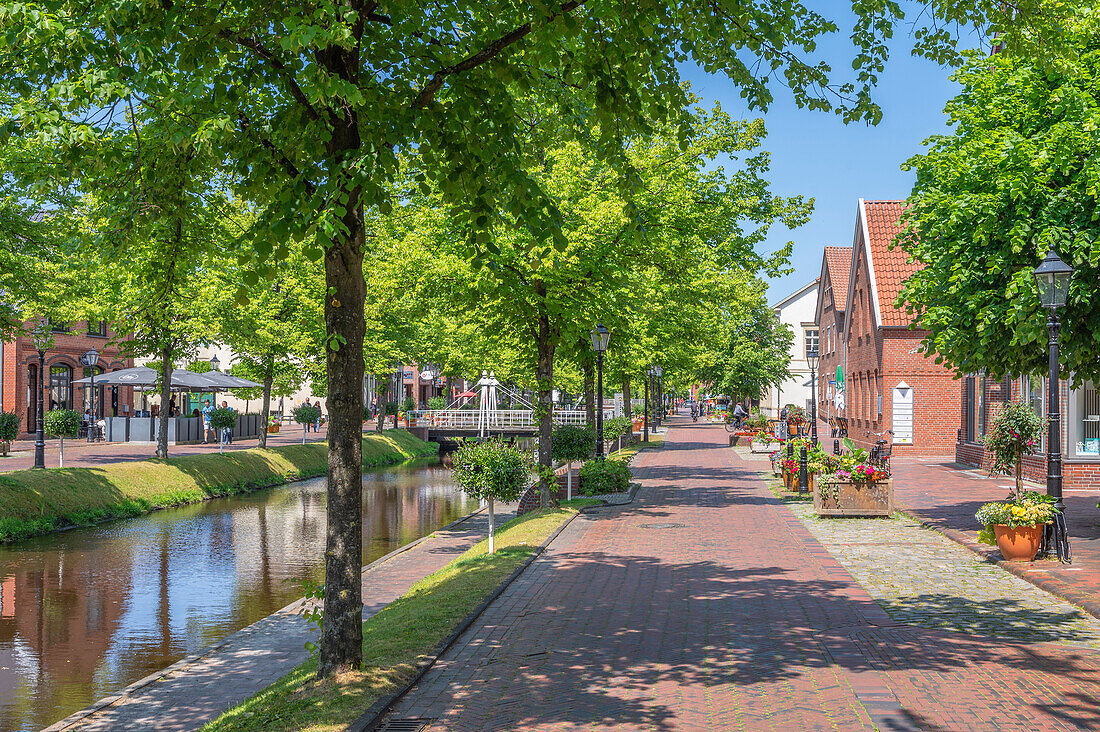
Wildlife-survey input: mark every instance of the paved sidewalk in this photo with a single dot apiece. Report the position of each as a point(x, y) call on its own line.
point(84, 454)
point(199, 689)
point(707, 605)
point(946, 495)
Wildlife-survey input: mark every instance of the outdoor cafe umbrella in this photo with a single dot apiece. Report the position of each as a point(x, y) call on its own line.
point(182, 380)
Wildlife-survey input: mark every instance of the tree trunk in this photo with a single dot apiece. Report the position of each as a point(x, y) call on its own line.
point(492, 529)
point(589, 391)
point(627, 410)
point(60, 452)
point(266, 411)
point(341, 643)
point(165, 397)
point(544, 376)
point(381, 402)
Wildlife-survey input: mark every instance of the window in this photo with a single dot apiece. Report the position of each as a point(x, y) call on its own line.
point(970, 403)
point(1087, 421)
point(96, 409)
point(61, 387)
point(1033, 392)
point(57, 326)
point(97, 328)
point(810, 338)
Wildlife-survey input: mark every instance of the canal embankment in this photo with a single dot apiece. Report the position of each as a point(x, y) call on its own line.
point(35, 502)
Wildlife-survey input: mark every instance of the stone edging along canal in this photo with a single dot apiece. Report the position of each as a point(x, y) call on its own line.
point(35, 502)
point(289, 610)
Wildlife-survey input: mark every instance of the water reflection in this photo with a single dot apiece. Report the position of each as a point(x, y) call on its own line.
point(84, 613)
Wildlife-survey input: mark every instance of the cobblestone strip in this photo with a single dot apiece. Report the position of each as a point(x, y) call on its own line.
point(922, 578)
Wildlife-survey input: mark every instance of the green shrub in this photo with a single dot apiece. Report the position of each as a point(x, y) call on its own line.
point(62, 423)
point(223, 418)
point(570, 442)
point(409, 405)
point(613, 428)
point(491, 470)
point(9, 426)
point(604, 476)
point(305, 415)
point(391, 409)
point(437, 402)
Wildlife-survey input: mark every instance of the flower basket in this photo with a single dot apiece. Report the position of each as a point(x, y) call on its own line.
point(837, 497)
point(273, 429)
point(1018, 543)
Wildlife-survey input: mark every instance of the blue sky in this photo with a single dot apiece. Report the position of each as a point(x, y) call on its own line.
point(816, 155)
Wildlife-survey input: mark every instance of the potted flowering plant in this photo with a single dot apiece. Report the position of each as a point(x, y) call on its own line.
point(273, 424)
point(1015, 432)
point(854, 486)
point(1015, 526)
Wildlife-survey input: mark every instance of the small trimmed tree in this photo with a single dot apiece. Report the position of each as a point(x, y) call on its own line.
point(492, 470)
point(222, 419)
point(1015, 432)
point(9, 430)
point(304, 415)
point(569, 443)
point(617, 428)
point(62, 423)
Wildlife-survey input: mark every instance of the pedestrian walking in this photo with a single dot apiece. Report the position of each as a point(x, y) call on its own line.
point(206, 410)
point(317, 424)
point(227, 433)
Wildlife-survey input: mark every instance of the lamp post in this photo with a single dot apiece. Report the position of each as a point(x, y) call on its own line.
point(812, 360)
point(645, 414)
point(1052, 277)
point(215, 362)
point(600, 337)
point(41, 339)
point(660, 394)
point(89, 359)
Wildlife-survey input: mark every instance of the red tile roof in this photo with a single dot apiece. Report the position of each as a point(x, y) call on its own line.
point(890, 265)
point(838, 264)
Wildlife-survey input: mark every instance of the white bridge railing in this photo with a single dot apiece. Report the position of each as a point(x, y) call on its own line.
point(519, 419)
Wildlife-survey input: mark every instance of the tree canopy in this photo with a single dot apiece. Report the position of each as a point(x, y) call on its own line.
point(1019, 175)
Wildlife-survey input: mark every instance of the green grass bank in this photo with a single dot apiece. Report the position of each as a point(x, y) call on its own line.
point(35, 502)
point(405, 632)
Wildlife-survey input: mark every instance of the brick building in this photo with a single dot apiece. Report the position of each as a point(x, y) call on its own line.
point(887, 383)
point(982, 397)
point(19, 377)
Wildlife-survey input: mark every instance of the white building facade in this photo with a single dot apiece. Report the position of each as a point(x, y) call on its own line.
point(798, 310)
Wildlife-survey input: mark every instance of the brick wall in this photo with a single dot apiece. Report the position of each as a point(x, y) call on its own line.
point(21, 360)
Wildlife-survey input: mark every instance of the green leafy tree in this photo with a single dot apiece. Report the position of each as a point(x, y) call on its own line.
point(491, 470)
point(1015, 178)
point(221, 419)
point(306, 416)
point(312, 103)
point(572, 442)
point(752, 350)
point(9, 429)
point(61, 423)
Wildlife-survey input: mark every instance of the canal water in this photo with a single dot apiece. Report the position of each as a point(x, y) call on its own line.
point(84, 613)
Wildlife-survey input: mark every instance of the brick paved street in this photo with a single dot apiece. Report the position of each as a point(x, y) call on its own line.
point(83, 454)
point(708, 605)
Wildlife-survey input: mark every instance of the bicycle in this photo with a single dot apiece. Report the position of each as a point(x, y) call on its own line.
point(882, 450)
point(735, 425)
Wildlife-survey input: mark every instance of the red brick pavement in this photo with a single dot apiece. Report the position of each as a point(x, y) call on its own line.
point(706, 605)
point(946, 496)
point(83, 454)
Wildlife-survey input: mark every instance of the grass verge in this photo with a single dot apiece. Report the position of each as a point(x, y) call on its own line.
point(408, 630)
point(628, 452)
point(38, 501)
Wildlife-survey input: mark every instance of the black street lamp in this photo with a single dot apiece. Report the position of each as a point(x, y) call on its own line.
point(41, 338)
point(89, 360)
point(812, 360)
point(600, 337)
point(645, 417)
point(1052, 277)
point(215, 362)
point(660, 394)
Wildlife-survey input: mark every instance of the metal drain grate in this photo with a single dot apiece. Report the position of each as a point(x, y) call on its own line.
point(406, 725)
point(663, 526)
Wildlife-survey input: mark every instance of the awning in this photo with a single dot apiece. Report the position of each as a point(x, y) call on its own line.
point(182, 379)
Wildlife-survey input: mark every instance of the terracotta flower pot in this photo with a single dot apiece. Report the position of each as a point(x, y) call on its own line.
point(1019, 544)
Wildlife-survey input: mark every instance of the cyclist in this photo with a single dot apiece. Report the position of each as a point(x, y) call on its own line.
point(739, 415)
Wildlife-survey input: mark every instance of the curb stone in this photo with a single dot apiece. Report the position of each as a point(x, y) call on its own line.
point(375, 714)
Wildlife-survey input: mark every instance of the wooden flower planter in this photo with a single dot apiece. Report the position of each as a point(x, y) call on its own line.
point(846, 498)
point(273, 429)
point(790, 480)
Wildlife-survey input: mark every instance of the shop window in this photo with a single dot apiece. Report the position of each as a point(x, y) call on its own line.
point(61, 387)
point(1087, 420)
